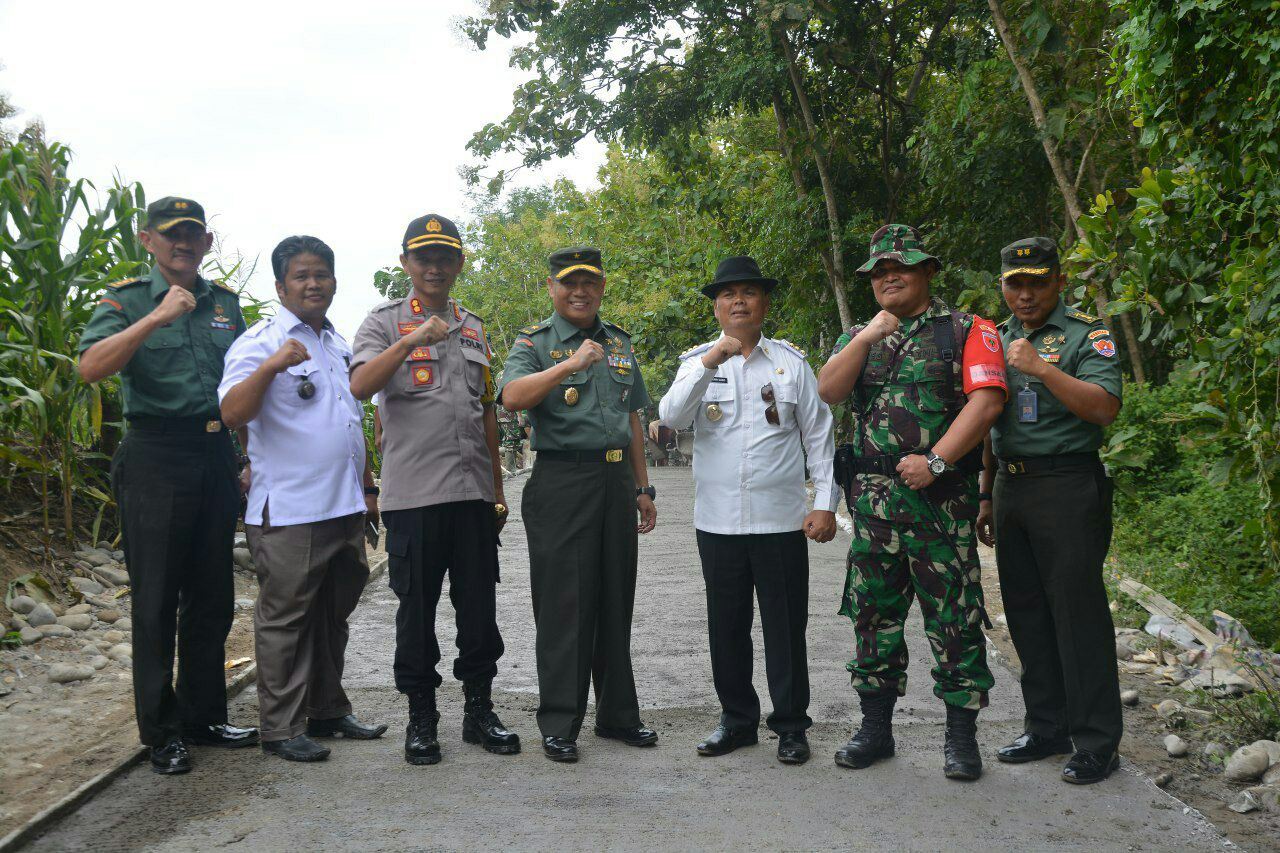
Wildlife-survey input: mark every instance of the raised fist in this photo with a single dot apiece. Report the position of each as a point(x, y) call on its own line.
point(176, 302)
point(588, 354)
point(721, 351)
point(427, 334)
point(1022, 356)
point(291, 352)
point(881, 326)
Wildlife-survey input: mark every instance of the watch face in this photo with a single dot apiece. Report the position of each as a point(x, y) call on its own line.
point(938, 465)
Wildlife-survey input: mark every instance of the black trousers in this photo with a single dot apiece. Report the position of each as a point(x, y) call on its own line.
point(1053, 530)
point(423, 544)
point(775, 568)
point(580, 519)
point(178, 500)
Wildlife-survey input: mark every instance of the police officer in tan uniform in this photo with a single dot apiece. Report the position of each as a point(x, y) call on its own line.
point(442, 499)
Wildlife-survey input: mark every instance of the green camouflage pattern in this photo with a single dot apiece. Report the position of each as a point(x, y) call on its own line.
point(900, 243)
point(889, 565)
point(907, 410)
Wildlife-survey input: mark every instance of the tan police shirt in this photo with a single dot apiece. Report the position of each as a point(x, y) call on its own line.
point(433, 441)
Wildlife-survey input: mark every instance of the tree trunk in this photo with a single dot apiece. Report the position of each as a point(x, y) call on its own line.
point(1065, 186)
point(836, 273)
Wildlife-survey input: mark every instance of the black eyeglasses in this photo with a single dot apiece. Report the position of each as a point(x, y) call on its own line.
point(771, 413)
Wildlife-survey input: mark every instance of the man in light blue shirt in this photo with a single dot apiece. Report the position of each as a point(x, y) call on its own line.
point(310, 492)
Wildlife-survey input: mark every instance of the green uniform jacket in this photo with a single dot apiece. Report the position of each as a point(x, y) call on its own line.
point(1080, 346)
point(176, 371)
point(591, 410)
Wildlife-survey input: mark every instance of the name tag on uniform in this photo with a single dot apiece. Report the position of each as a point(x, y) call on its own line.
point(470, 342)
point(724, 379)
point(1028, 406)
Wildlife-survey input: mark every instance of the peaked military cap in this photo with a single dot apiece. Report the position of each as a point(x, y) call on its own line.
point(1037, 256)
point(431, 230)
point(170, 210)
point(900, 243)
point(739, 268)
point(565, 261)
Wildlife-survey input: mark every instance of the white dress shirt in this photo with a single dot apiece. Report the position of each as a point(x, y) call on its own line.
point(748, 474)
point(307, 454)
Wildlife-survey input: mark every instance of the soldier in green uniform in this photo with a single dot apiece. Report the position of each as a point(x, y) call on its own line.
point(577, 377)
point(927, 383)
point(1052, 516)
point(174, 479)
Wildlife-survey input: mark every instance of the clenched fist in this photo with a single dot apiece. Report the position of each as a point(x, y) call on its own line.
point(427, 334)
point(588, 354)
point(1021, 355)
point(723, 350)
point(291, 352)
point(176, 302)
point(881, 326)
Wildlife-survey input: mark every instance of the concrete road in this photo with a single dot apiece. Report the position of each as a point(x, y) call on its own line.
point(366, 798)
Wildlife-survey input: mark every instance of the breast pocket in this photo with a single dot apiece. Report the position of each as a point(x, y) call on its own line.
point(290, 387)
point(621, 389)
point(422, 373)
point(475, 364)
point(574, 391)
point(164, 340)
point(786, 396)
point(717, 408)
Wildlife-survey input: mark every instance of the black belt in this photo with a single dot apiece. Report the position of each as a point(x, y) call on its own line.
point(1041, 464)
point(581, 456)
point(886, 465)
point(210, 424)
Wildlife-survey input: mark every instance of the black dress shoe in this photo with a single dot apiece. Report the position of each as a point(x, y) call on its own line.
point(224, 735)
point(560, 749)
point(171, 759)
point(296, 748)
point(725, 740)
point(793, 748)
point(634, 736)
point(1033, 747)
point(1087, 767)
point(347, 726)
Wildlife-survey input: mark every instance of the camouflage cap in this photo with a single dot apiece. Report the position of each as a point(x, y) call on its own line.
point(900, 243)
point(1037, 256)
point(171, 210)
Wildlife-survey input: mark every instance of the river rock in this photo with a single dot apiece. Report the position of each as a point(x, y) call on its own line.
point(78, 609)
point(1175, 746)
point(1129, 697)
point(244, 604)
point(90, 649)
point(76, 621)
point(1246, 764)
point(121, 651)
point(1124, 651)
point(30, 635)
point(1271, 747)
point(41, 614)
point(99, 661)
point(125, 625)
point(96, 558)
point(65, 673)
point(115, 574)
point(109, 615)
point(243, 558)
point(1162, 780)
point(22, 604)
point(1213, 749)
point(113, 637)
point(1272, 776)
point(1172, 712)
point(87, 586)
point(117, 555)
point(56, 630)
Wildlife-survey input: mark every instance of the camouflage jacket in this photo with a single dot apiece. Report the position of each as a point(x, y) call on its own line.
point(903, 402)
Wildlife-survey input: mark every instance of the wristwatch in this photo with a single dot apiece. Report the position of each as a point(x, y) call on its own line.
point(372, 490)
point(648, 490)
point(937, 465)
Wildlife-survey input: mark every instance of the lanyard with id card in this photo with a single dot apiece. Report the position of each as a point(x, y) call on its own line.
point(1028, 404)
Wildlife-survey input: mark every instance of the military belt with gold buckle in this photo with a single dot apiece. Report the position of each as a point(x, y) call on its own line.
point(1041, 464)
point(614, 455)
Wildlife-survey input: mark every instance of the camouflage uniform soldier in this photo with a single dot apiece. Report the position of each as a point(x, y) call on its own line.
point(921, 415)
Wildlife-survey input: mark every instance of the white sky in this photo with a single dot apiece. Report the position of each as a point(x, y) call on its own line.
point(279, 118)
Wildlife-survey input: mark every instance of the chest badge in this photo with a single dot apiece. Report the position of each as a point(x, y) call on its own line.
point(571, 396)
point(714, 412)
point(555, 353)
point(422, 376)
point(220, 319)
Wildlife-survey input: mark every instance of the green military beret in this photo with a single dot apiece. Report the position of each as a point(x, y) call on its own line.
point(900, 243)
point(565, 261)
point(431, 230)
point(170, 210)
point(1037, 256)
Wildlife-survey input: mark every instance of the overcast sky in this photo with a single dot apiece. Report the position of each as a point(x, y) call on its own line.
point(279, 118)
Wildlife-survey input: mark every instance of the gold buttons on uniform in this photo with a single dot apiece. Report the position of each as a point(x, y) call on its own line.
point(571, 396)
point(714, 412)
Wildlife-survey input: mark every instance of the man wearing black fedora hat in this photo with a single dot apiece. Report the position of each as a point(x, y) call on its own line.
point(754, 406)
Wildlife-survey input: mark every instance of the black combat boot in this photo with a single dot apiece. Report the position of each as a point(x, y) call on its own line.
point(481, 725)
point(961, 749)
point(421, 740)
point(874, 740)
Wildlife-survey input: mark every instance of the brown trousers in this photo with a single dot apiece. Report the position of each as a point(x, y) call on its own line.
point(310, 577)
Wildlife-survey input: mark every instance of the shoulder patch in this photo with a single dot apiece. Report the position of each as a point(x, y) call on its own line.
point(787, 345)
point(1077, 314)
point(125, 283)
point(700, 348)
point(224, 286)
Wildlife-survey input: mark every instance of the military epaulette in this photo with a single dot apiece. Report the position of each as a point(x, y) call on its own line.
point(787, 345)
point(536, 327)
point(258, 328)
point(123, 283)
point(1077, 314)
point(228, 288)
point(617, 327)
point(700, 348)
point(383, 306)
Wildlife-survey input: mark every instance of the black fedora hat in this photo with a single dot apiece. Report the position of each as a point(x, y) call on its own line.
point(736, 269)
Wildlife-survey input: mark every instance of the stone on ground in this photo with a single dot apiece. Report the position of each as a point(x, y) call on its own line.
point(1175, 746)
point(109, 615)
point(22, 604)
point(115, 574)
point(1129, 697)
point(56, 630)
point(1247, 764)
point(114, 636)
point(1213, 749)
point(76, 621)
point(30, 635)
point(41, 614)
point(123, 651)
point(243, 559)
point(99, 661)
point(1271, 747)
point(65, 673)
point(125, 625)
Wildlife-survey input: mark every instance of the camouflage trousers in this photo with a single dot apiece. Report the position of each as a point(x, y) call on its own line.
point(889, 564)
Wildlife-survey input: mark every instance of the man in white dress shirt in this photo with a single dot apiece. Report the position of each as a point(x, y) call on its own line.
point(756, 414)
point(311, 487)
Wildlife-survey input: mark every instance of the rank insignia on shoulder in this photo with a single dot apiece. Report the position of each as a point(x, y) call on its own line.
point(124, 283)
point(406, 328)
point(422, 376)
point(1077, 314)
point(1099, 333)
point(1105, 348)
point(415, 305)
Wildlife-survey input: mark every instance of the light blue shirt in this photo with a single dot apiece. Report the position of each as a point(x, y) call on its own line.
point(307, 453)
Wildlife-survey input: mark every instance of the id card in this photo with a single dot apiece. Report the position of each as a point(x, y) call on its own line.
point(1028, 406)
